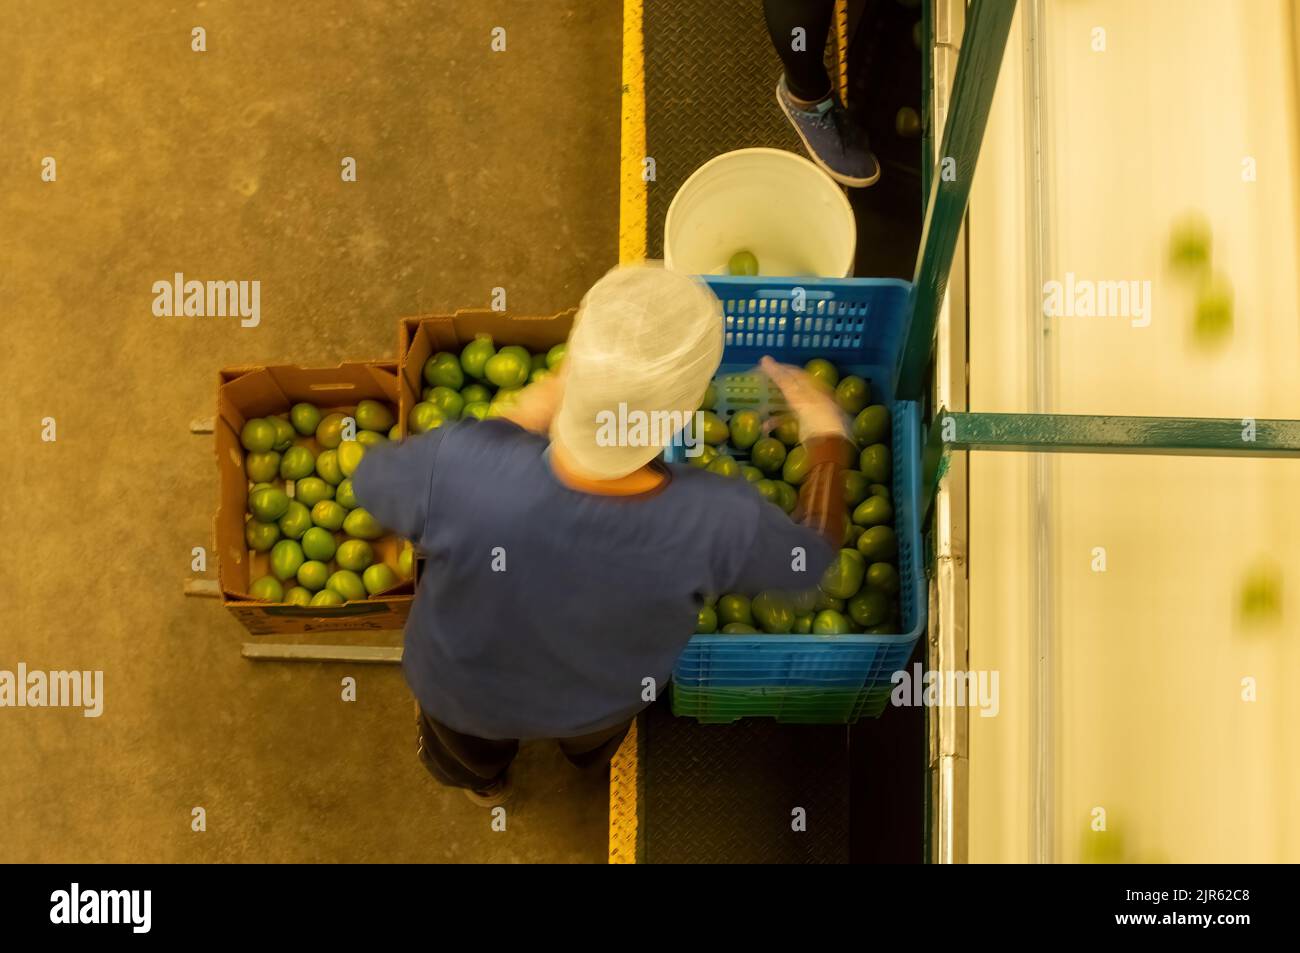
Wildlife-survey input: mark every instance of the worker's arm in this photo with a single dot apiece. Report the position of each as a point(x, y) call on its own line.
point(394, 480)
point(537, 403)
point(792, 552)
point(824, 433)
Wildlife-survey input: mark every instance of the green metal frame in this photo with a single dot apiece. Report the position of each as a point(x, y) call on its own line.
point(1087, 433)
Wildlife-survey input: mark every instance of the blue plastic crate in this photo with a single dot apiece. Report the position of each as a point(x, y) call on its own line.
point(858, 324)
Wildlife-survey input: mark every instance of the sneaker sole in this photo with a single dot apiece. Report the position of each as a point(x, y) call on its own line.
point(839, 177)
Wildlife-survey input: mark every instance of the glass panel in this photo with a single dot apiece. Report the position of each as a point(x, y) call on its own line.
point(1133, 250)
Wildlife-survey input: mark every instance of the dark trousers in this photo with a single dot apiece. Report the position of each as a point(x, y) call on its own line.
point(805, 70)
point(464, 761)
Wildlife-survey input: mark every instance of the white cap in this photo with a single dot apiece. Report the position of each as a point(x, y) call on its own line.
point(644, 347)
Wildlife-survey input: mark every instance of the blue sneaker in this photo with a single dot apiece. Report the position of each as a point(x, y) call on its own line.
point(833, 140)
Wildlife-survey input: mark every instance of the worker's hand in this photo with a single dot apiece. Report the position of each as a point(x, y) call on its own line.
point(813, 407)
point(537, 403)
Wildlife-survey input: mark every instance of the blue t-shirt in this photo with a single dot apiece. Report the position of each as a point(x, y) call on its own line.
point(541, 609)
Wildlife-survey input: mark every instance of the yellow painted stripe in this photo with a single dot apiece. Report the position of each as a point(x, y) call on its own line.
point(632, 187)
point(842, 46)
point(623, 801)
point(631, 247)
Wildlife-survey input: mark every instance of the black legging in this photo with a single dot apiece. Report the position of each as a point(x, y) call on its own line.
point(805, 70)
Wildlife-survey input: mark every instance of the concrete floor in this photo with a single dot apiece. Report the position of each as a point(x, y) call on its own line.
point(475, 169)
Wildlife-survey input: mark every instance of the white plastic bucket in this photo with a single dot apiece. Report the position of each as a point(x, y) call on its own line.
point(790, 214)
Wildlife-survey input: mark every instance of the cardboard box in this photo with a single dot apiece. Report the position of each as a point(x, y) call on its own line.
point(257, 391)
point(421, 337)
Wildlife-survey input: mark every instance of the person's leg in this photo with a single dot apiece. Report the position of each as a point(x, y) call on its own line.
point(807, 97)
point(597, 748)
point(457, 760)
point(799, 29)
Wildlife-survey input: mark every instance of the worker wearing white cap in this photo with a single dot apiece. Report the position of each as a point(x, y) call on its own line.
point(565, 562)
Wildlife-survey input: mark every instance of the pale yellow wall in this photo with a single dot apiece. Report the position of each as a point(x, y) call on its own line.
point(1150, 654)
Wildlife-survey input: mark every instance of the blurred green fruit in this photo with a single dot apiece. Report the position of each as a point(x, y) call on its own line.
point(767, 489)
point(805, 601)
point(349, 457)
point(1189, 244)
point(327, 467)
point(295, 521)
point(311, 490)
point(258, 435)
point(878, 543)
point(873, 511)
point(268, 504)
point(507, 369)
point(283, 434)
point(354, 554)
point(742, 262)
point(855, 488)
point(477, 410)
point(286, 557)
point(843, 577)
point(715, 429)
point(773, 611)
point(734, 607)
point(347, 584)
point(406, 561)
point(883, 576)
point(448, 401)
point(362, 525)
point(444, 370)
point(370, 438)
point(787, 430)
point(869, 607)
point(723, 465)
point(739, 628)
point(317, 544)
point(313, 574)
point(879, 489)
point(372, 415)
point(555, 355)
point(345, 495)
point(424, 417)
point(787, 497)
point(329, 434)
point(852, 394)
point(797, 464)
point(260, 536)
point(267, 589)
point(704, 455)
point(328, 514)
point(377, 578)
point(710, 398)
point(475, 392)
point(828, 602)
point(706, 620)
point(875, 463)
point(872, 425)
point(395, 433)
point(768, 454)
point(746, 427)
point(830, 622)
point(305, 418)
point(823, 372)
point(852, 533)
point(262, 466)
point(802, 625)
point(1214, 318)
point(298, 596)
point(297, 462)
point(474, 356)
point(538, 374)
point(327, 597)
point(751, 474)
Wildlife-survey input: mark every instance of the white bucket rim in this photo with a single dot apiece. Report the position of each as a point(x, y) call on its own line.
point(786, 155)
